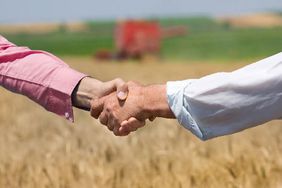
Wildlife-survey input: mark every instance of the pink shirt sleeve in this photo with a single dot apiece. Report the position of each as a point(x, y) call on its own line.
point(40, 76)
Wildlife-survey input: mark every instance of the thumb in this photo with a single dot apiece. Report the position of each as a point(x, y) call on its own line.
point(122, 91)
point(117, 85)
point(97, 106)
point(121, 88)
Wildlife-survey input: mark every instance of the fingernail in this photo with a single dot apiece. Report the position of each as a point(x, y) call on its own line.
point(121, 95)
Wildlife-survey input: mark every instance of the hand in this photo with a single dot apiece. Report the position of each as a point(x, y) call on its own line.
point(89, 89)
point(121, 117)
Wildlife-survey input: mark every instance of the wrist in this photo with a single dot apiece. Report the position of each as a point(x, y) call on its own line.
point(84, 92)
point(155, 102)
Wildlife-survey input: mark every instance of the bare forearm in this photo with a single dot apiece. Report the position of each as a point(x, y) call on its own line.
point(155, 101)
point(84, 92)
point(90, 89)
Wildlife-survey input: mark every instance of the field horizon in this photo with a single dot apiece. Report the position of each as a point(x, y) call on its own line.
point(235, 38)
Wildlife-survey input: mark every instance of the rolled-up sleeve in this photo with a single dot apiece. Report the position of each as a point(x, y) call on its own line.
point(228, 102)
point(40, 76)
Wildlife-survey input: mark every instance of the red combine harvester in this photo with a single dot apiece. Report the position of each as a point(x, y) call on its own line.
point(134, 39)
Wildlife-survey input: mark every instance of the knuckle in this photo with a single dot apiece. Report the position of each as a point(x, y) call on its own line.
point(116, 133)
point(94, 114)
point(108, 106)
point(111, 104)
point(103, 121)
point(119, 80)
point(114, 116)
point(130, 82)
point(108, 109)
point(133, 83)
point(110, 128)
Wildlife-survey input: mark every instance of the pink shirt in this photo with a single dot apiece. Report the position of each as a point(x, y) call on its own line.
point(40, 76)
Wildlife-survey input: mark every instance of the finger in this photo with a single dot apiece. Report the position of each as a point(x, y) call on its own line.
point(110, 127)
point(124, 133)
point(123, 128)
point(135, 123)
point(112, 123)
point(103, 118)
point(116, 131)
point(97, 106)
point(127, 128)
point(131, 125)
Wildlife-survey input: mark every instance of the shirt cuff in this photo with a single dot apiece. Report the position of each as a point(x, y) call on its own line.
point(175, 97)
point(61, 87)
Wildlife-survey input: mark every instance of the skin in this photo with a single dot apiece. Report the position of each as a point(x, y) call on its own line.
point(89, 89)
point(125, 116)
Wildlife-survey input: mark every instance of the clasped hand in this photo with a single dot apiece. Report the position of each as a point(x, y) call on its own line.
point(122, 111)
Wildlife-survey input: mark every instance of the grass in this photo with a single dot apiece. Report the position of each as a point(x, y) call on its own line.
point(233, 44)
point(77, 44)
point(207, 40)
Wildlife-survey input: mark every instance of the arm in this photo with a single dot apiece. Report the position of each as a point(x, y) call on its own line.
point(48, 81)
point(155, 102)
point(215, 105)
point(225, 103)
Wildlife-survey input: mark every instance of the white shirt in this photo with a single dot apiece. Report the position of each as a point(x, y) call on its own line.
point(225, 103)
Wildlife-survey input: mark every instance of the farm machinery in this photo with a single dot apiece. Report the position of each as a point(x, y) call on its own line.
point(138, 38)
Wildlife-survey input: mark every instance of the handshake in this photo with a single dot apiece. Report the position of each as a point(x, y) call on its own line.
point(122, 107)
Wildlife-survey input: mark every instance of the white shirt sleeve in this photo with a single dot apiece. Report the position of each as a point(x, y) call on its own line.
point(225, 103)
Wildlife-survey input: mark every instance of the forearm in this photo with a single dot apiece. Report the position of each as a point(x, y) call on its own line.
point(86, 90)
point(40, 76)
point(52, 89)
point(225, 103)
point(155, 101)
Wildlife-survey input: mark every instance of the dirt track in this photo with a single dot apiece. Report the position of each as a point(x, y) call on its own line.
point(39, 149)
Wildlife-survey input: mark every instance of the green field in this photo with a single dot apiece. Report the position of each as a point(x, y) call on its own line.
point(206, 40)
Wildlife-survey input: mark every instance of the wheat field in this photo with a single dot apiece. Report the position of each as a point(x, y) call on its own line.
point(39, 149)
